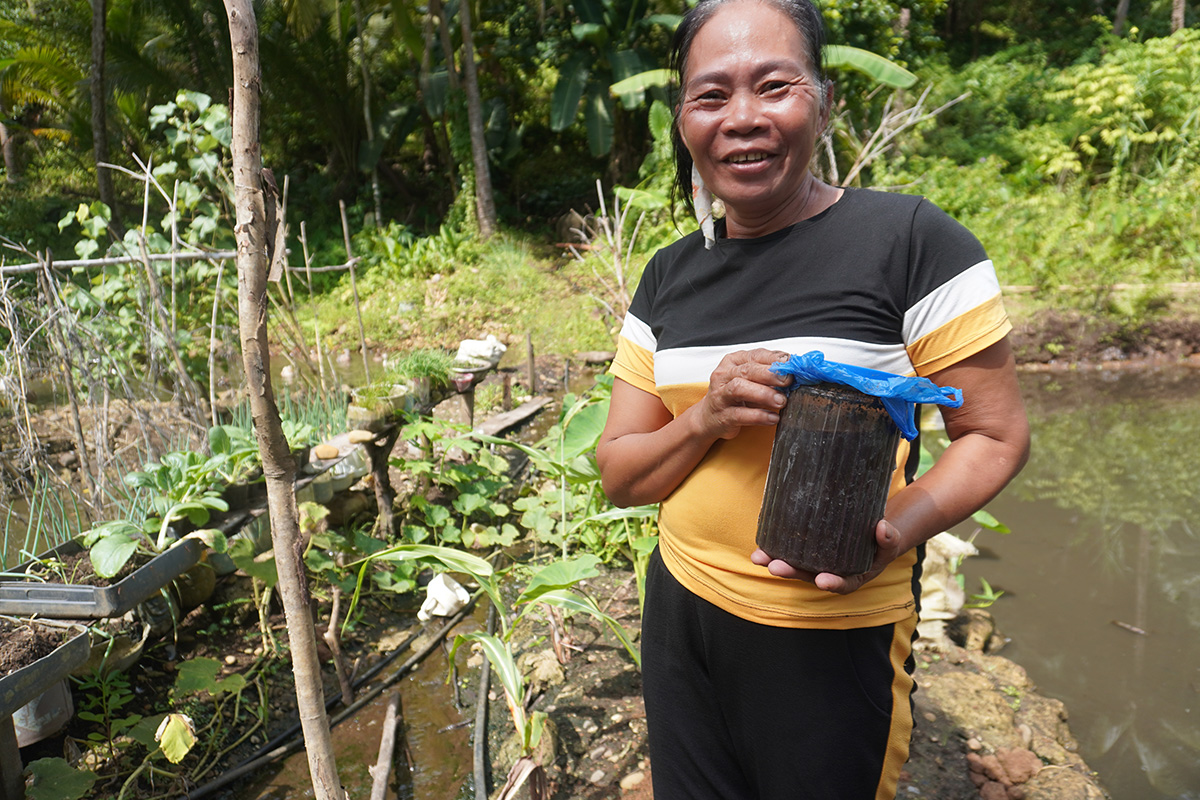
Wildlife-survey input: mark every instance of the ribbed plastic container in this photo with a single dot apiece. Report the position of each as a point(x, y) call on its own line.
point(827, 483)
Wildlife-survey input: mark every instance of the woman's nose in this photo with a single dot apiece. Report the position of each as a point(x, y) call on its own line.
point(743, 113)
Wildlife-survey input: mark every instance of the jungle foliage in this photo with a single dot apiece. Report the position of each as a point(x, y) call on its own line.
point(1068, 148)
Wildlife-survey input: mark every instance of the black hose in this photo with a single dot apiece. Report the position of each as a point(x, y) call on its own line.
point(481, 708)
point(295, 745)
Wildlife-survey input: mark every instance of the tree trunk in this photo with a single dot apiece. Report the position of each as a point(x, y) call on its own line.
point(1119, 19)
point(9, 147)
point(485, 204)
point(279, 467)
point(100, 105)
point(1177, 8)
point(439, 12)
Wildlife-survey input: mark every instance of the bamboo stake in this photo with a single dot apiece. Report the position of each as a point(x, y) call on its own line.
point(362, 336)
point(387, 749)
point(316, 318)
point(212, 346)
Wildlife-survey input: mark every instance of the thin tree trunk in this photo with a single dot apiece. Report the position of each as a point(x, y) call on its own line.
point(279, 467)
point(485, 204)
point(99, 104)
point(1121, 16)
point(1177, 10)
point(360, 20)
point(439, 12)
point(9, 147)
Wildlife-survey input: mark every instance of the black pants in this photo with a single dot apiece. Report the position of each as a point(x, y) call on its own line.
point(743, 711)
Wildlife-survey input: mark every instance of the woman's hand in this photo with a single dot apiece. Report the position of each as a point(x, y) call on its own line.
point(888, 549)
point(742, 391)
point(644, 453)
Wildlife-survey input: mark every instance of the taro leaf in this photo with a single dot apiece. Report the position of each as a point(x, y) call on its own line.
point(200, 675)
point(111, 553)
point(539, 521)
point(176, 737)
point(559, 575)
point(143, 732)
point(55, 779)
point(875, 66)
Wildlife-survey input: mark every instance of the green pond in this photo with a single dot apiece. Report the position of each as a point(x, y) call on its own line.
point(1101, 572)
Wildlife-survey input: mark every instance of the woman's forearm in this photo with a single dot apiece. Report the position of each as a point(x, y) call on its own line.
point(644, 467)
point(972, 471)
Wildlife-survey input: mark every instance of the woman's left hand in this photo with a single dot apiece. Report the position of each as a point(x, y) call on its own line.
point(888, 549)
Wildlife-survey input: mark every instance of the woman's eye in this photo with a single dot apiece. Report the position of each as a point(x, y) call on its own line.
point(771, 87)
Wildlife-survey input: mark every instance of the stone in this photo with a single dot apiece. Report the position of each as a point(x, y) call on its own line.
point(1019, 764)
point(325, 451)
point(1061, 783)
point(993, 791)
point(994, 770)
point(632, 779)
point(596, 777)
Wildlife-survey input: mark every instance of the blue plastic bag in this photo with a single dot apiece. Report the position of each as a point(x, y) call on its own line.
point(899, 393)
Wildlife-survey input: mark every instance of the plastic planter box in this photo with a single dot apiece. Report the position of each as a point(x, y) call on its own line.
point(25, 685)
point(79, 601)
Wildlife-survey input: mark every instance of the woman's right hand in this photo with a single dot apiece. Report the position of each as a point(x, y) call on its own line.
point(742, 391)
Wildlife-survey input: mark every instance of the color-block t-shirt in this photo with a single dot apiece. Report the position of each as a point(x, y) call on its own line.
point(878, 280)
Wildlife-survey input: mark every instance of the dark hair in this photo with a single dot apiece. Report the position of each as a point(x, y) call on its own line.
point(808, 22)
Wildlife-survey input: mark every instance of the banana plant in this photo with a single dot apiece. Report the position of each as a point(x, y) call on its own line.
point(609, 35)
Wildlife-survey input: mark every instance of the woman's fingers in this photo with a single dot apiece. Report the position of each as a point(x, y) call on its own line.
point(743, 391)
point(889, 547)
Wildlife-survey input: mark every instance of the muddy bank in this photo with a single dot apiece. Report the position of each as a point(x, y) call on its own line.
point(982, 729)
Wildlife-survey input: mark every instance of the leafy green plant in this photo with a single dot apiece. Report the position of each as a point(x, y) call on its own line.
point(104, 695)
point(570, 507)
point(472, 511)
point(182, 484)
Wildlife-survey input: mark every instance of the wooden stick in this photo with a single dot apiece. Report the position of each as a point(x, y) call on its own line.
point(387, 749)
point(362, 336)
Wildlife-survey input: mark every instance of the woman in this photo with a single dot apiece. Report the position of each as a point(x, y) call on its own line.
point(762, 681)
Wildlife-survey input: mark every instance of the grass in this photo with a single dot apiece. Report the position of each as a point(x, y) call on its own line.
point(510, 293)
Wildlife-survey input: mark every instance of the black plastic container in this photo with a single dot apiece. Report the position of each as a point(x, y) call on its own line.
point(79, 601)
point(827, 483)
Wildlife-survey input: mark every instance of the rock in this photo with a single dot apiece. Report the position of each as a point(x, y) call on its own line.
point(632, 779)
point(971, 701)
point(67, 459)
point(1061, 783)
point(994, 770)
point(596, 777)
point(325, 452)
point(1019, 764)
point(993, 791)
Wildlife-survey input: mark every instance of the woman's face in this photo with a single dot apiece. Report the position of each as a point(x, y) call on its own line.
point(751, 113)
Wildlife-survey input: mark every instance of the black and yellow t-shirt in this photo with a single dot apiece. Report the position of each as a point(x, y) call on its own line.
point(878, 280)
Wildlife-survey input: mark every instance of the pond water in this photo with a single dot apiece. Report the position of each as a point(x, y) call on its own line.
point(1101, 572)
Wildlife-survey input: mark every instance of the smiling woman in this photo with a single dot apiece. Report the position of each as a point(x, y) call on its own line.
point(762, 680)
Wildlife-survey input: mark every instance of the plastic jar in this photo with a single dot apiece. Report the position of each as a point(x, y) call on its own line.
point(827, 483)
